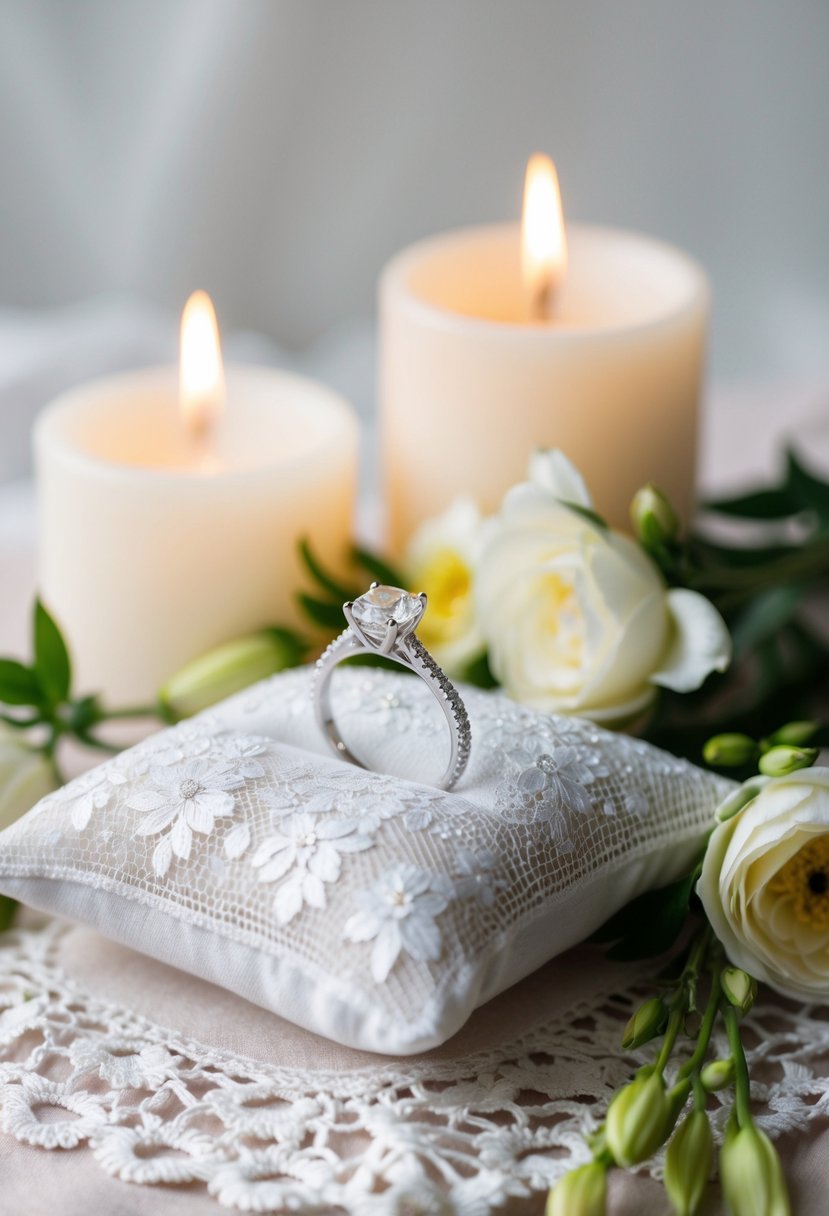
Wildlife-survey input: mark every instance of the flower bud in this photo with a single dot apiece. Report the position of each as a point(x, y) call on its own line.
point(717, 1074)
point(654, 520)
point(645, 1024)
point(228, 669)
point(637, 1120)
point(582, 1192)
point(779, 761)
point(729, 750)
point(751, 1174)
point(739, 988)
point(688, 1163)
point(26, 776)
point(794, 734)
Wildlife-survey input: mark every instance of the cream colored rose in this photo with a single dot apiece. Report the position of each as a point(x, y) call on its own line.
point(765, 881)
point(441, 561)
point(577, 618)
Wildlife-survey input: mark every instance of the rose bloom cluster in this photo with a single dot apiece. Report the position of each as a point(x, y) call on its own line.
point(573, 617)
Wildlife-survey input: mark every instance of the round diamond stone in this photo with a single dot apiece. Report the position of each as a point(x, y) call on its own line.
point(377, 607)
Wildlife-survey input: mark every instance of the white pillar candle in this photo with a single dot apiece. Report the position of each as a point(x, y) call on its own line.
point(157, 543)
point(471, 382)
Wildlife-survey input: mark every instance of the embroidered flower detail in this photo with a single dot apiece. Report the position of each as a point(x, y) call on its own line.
point(551, 791)
point(96, 797)
point(19, 1104)
point(241, 751)
point(314, 849)
point(190, 797)
point(124, 1064)
point(398, 914)
point(137, 1154)
point(475, 878)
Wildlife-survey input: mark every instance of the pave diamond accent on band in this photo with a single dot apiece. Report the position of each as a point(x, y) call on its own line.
point(383, 621)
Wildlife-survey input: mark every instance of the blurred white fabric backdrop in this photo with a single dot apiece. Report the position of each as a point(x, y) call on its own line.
point(276, 152)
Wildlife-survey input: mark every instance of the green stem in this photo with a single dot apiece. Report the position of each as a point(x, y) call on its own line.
point(111, 749)
point(681, 1003)
point(691, 1067)
point(742, 1090)
point(20, 723)
point(137, 711)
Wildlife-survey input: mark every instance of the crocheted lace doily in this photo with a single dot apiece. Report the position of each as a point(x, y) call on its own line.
point(425, 1135)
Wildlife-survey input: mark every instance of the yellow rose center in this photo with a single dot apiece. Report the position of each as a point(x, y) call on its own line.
point(805, 880)
point(447, 580)
point(564, 619)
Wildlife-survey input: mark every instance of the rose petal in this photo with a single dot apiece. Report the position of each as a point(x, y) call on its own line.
point(701, 642)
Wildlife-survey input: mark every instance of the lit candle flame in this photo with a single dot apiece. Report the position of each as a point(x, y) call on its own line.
point(201, 372)
point(543, 240)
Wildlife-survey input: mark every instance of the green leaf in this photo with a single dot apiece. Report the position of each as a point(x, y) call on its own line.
point(764, 616)
point(296, 647)
point(322, 577)
point(650, 924)
point(323, 613)
point(759, 504)
point(377, 567)
point(8, 910)
point(809, 490)
point(18, 684)
point(587, 513)
point(478, 673)
point(52, 664)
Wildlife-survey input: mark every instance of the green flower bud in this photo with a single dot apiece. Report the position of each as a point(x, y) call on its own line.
point(739, 989)
point(582, 1192)
point(654, 520)
point(228, 669)
point(26, 776)
point(729, 750)
point(688, 1163)
point(717, 1074)
point(645, 1024)
point(794, 734)
point(751, 1175)
point(637, 1120)
point(780, 761)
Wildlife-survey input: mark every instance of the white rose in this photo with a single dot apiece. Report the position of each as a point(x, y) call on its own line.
point(765, 881)
point(441, 561)
point(25, 777)
point(577, 618)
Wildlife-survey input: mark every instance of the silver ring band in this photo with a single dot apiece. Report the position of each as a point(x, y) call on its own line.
point(395, 639)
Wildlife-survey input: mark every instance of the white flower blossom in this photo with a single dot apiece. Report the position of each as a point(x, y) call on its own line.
point(186, 798)
point(576, 617)
point(398, 914)
point(241, 751)
point(313, 849)
point(474, 877)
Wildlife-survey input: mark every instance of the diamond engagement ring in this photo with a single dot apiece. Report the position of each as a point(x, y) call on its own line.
point(383, 622)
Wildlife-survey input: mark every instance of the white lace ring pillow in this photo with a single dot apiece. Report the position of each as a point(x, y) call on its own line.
point(373, 910)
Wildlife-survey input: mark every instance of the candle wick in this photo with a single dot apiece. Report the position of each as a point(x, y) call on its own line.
point(543, 299)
